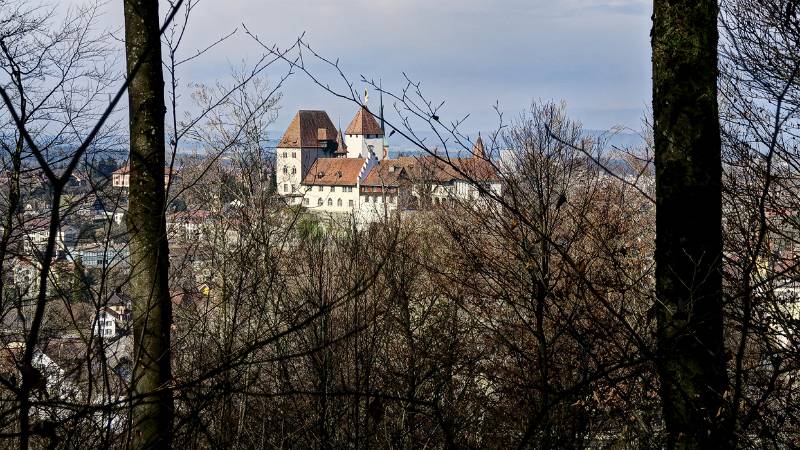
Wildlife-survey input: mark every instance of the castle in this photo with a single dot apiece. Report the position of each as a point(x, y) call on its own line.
point(325, 170)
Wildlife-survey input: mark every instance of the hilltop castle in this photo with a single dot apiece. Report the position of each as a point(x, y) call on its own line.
point(323, 169)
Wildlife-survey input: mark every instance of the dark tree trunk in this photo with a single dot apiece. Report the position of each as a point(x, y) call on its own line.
point(152, 407)
point(690, 353)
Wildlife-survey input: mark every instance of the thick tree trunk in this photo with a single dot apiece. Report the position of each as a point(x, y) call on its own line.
point(688, 222)
point(152, 406)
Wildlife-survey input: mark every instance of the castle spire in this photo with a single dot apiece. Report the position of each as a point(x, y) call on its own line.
point(478, 149)
point(341, 148)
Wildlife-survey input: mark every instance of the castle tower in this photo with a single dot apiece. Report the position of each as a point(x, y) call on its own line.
point(310, 135)
point(364, 135)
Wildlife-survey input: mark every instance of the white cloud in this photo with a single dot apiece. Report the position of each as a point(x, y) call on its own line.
point(593, 53)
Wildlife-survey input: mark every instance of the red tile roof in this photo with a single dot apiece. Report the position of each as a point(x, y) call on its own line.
point(364, 123)
point(429, 168)
point(309, 129)
point(334, 171)
point(389, 173)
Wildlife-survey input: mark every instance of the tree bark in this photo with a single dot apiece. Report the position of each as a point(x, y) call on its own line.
point(152, 405)
point(690, 356)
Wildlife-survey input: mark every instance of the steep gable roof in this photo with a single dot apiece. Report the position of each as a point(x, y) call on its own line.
point(309, 129)
point(388, 173)
point(430, 168)
point(335, 171)
point(364, 123)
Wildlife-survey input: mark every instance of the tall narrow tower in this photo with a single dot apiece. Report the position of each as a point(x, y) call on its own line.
point(364, 135)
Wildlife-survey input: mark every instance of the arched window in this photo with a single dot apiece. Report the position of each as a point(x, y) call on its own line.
point(285, 169)
point(294, 170)
point(319, 202)
point(339, 202)
point(330, 202)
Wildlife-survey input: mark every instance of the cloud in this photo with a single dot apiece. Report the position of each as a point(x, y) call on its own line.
point(592, 53)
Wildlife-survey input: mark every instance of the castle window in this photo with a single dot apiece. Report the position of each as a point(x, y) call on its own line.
point(319, 202)
point(350, 203)
point(330, 202)
point(284, 154)
point(293, 154)
point(285, 169)
point(294, 170)
point(339, 202)
point(285, 188)
point(321, 188)
point(305, 201)
point(366, 199)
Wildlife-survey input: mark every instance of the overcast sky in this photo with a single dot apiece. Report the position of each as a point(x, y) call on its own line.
point(594, 54)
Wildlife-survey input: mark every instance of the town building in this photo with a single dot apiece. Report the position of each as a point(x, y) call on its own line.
point(121, 178)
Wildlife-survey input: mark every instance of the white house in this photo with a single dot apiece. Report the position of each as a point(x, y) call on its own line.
point(121, 178)
point(111, 322)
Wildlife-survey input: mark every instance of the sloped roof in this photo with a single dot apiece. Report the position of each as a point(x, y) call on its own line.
point(388, 173)
point(364, 123)
point(334, 171)
point(309, 129)
point(430, 168)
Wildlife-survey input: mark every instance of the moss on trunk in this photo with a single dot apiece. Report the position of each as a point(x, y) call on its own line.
point(688, 222)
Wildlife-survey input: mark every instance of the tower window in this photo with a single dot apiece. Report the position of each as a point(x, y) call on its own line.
point(330, 202)
point(319, 202)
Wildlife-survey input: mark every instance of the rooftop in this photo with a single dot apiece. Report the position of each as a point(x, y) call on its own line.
point(309, 129)
point(334, 171)
point(364, 123)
